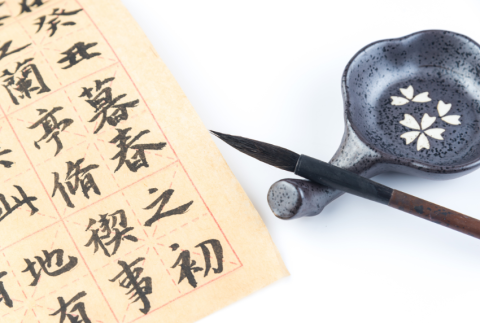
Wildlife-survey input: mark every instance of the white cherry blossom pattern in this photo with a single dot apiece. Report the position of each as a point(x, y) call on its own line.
point(420, 130)
point(443, 108)
point(408, 96)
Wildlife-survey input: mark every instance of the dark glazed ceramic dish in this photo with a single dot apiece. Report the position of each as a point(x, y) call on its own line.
point(412, 106)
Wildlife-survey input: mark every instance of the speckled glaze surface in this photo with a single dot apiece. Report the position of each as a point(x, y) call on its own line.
point(412, 105)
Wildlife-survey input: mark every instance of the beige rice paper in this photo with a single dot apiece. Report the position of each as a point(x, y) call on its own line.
point(116, 205)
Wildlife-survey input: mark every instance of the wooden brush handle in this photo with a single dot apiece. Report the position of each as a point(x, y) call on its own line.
point(435, 213)
point(341, 179)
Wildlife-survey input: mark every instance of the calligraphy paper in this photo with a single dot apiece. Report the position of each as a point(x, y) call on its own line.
point(115, 204)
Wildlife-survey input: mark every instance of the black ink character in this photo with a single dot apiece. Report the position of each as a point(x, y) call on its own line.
point(5, 163)
point(80, 307)
point(24, 84)
point(81, 177)
point(3, 292)
point(56, 21)
point(3, 17)
point(4, 49)
point(140, 288)
point(79, 49)
point(24, 200)
point(187, 266)
point(107, 224)
point(163, 200)
point(46, 264)
point(138, 159)
point(104, 101)
point(51, 127)
point(28, 8)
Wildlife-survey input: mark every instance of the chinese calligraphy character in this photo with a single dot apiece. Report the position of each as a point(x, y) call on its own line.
point(79, 49)
point(82, 178)
point(80, 307)
point(140, 288)
point(108, 223)
point(46, 264)
point(188, 268)
point(51, 127)
point(139, 159)
point(28, 8)
point(163, 200)
point(56, 21)
point(25, 200)
point(5, 163)
point(3, 292)
point(104, 101)
point(4, 49)
point(24, 84)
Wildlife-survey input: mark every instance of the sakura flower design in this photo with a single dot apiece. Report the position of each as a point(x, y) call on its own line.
point(443, 109)
point(420, 131)
point(408, 96)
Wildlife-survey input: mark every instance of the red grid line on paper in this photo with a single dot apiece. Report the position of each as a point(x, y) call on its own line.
point(125, 187)
point(60, 38)
point(138, 220)
point(61, 88)
point(28, 15)
point(43, 185)
point(63, 220)
point(160, 128)
point(52, 224)
point(193, 290)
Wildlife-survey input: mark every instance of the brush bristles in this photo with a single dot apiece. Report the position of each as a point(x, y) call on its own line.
point(273, 155)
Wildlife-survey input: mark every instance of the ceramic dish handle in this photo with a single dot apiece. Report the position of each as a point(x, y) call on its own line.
point(295, 198)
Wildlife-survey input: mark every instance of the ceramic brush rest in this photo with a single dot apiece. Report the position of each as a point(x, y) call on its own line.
point(411, 106)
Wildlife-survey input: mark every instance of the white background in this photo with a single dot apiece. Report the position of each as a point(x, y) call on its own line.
point(271, 71)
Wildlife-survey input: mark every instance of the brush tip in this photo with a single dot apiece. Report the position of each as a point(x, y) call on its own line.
point(217, 134)
point(223, 136)
point(267, 153)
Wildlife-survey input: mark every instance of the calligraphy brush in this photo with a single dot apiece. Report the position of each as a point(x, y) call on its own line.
point(344, 180)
